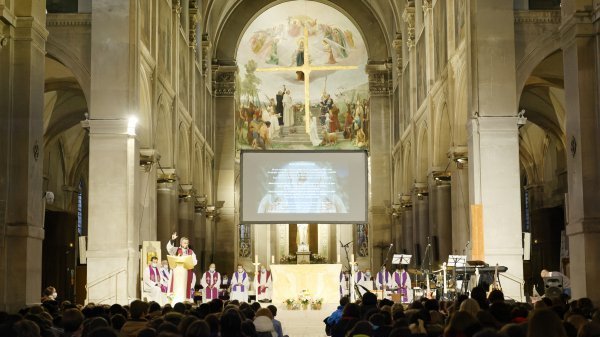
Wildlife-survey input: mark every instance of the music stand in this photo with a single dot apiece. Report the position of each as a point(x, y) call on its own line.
point(401, 259)
point(457, 261)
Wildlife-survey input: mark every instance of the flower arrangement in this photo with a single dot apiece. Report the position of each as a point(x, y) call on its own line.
point(304, 298)
point(288, 259)
point(316, 304)
point(318, 259)
point(290, 303)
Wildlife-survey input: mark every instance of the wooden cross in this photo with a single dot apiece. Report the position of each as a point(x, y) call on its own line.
point(306, 68)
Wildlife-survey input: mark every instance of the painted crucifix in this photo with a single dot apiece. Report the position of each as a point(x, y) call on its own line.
point(303, 68)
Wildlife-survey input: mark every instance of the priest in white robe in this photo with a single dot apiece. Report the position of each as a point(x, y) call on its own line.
point(314, 132)
point(383, 281)
point(344, 283)
point(239, 285)
point(151, 278)
point(401, 280)
point(363, 280)
point(210, 281)
point(183, 250)
point(263, 285)
point(165, 277)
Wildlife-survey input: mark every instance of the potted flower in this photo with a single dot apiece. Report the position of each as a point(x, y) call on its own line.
point(305, 302)
point(316, 304)
point(289, 303)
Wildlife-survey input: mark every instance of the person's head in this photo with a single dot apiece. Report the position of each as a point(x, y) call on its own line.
point(268, 124)
point(72, 319)
point(212, 267)
point(231, 323)
point(26, 328)
point(198, 328)
point(50, 292)
point(513, 330)
point(544, 273)
point(184, 242)
point(264, 312)
point(355, 267)
point(273, 309)
point(165, 264)
point(240, 268)
point(459, 324)
point(344, 300)
point(352, 310)
point(263, 268)
point(545, 323)
point(154, 261)
point(138, 309)
point(361, 328)
point(117, 321)
point(496, 296)
point(368, 272)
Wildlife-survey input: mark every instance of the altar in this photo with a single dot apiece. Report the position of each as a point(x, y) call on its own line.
point(321, 280)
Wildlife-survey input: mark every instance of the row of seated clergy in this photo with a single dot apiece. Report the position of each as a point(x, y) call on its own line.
point(388, 283)
point(158, 283)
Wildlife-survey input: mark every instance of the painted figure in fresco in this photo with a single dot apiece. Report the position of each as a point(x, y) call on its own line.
point(288, 109)
point(326, 105)
point(279, 106)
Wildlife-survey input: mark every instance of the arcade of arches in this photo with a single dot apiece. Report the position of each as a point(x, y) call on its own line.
point(133, 113)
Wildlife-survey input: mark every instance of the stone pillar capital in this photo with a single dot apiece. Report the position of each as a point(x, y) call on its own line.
point(224, 80)
point(380, 79)
point(409, 18)
point(397, 45)
point(427, 6)
point(206, 47)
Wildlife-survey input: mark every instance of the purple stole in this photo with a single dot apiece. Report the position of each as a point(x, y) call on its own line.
point(400, 279)
point(359, 276)
point(210, 291)
point(260, 288)
point(154, 275)
point(380, 278)
point(235, 275)
point(163, 288)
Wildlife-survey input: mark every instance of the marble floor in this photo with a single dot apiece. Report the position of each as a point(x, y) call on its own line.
point(304, 323)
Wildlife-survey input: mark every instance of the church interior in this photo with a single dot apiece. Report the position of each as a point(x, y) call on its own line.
point(124, 121)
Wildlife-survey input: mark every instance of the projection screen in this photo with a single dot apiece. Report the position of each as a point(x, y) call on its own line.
point(303, 187)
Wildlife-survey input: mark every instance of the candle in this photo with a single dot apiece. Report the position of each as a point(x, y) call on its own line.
point(338, 258)
point(256, 258)
point(272, 259)
point(352, 258)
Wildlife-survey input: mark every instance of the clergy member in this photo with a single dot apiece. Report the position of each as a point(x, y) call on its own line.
point(152, 281)
point(210, 281)
point(264, 284)
point(183, 250)
point(344, 283)
point(401, 280)
point(239, 285)
point(363, 280)
point(383, 281)
point(165, 277)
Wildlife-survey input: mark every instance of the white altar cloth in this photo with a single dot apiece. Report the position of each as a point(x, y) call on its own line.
point(321, 280)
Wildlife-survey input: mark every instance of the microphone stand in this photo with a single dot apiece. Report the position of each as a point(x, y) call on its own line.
point(427, 257)
point(349, 267)
point(463, 286)
point(383, 264)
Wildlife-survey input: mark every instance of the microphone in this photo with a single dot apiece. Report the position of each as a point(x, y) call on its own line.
point(468, 243)
point(391, 245)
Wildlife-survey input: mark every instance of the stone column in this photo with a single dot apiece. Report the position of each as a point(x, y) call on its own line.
point(420, 219)
point(407, 225)
point(493, 137)
point(199, 239)
point(113, 231)
point(148, 167)
point(166, 206)
point(186, 211)
point(380, 85)
point(459, 191)
point(113, 219)
point(224, 112)
point(22, 56)
point(440, 221)
point(579, 33)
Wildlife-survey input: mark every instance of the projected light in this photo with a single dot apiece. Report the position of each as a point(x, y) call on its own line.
point(303, 187)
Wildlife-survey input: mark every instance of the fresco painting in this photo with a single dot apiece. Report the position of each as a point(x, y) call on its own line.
point(296, 54)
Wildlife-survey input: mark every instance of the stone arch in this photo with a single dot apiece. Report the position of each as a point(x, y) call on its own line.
point(443, 137)
point(237, 19)
point(183, 154)
point(164, 138)
point(539, 50)
point(64, 55)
